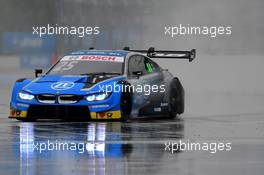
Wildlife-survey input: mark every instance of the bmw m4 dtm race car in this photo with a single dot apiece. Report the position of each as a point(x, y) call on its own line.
point(102, 84)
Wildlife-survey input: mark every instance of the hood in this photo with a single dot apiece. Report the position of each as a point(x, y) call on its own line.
point(63, 84)
point(56, 78)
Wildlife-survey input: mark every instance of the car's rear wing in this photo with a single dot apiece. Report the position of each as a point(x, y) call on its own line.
point(152, 53)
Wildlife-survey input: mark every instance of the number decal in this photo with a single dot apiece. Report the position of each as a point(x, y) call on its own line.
point(65, 65)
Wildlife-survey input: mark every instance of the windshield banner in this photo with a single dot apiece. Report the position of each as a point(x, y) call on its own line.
point(93, 58)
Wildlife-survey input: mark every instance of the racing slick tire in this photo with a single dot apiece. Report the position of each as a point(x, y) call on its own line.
point(125, 101)
point(176, 101)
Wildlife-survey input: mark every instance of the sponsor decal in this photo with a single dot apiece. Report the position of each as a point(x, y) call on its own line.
point(163, 104)
point(93, 58)
point(62, 85)
point(157, 109)
point(99, 106)
point(106, 115)
point(22, 104)
point(17, 113)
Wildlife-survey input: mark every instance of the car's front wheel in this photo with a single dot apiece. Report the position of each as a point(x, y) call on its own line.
point(125, 104)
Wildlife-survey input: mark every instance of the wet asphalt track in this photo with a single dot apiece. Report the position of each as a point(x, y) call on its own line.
point(137, 147)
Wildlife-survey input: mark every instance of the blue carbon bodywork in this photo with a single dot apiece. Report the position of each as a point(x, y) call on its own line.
point(43, 85)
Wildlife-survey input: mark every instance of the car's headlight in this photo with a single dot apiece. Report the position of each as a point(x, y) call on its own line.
point(90, 98)
point(97, 97)
point(25, 96)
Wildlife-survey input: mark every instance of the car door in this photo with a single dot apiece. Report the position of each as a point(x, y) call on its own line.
point(146, 78)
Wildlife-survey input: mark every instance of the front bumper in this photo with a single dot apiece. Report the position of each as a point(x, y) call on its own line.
point(105, 109)
point(62, 112)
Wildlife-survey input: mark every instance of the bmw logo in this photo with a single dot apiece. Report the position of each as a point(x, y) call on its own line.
point(62, 85)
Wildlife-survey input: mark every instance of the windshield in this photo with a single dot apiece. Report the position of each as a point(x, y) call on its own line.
point(88, 64)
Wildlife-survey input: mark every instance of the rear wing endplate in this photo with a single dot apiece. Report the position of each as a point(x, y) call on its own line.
point(152, 53)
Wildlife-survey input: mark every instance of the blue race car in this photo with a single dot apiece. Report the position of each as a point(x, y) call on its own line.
point(98, 84)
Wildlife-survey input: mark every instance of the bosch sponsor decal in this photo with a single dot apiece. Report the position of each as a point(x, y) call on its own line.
point(93, 58)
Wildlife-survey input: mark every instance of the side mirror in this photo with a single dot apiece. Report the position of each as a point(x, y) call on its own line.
point(137, 73)
point(37, 72)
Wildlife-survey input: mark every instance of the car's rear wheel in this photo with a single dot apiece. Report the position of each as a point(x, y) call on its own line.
point(176, 98)
point(173, 104)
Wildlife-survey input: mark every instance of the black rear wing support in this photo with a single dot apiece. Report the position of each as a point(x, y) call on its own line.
point(152, 53)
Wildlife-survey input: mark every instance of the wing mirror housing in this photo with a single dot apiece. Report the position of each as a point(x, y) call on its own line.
point(37, 72)
point(137, 73)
